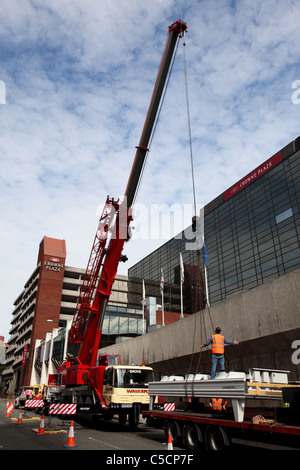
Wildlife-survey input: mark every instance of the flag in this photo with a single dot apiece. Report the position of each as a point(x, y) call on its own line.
point(205, 254)
point(181, 268)
point(162, 281)
point(144, 291)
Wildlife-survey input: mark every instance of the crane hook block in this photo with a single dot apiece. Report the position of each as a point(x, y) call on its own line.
point(194, 223)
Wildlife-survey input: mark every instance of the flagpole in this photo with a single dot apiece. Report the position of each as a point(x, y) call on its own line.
point(143, 306)
point(181, 301)
point(162, 282)
point(163, 308)
point(206, 285)
point(181, 284)
point(206, 262)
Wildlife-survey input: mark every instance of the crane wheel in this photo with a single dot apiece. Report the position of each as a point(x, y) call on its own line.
point(134, 416)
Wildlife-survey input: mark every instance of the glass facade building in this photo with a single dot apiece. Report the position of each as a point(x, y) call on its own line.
point(122, 321)
point(252, 235)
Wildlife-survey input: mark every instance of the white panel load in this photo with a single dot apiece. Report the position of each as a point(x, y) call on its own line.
point(225, 385)
point(269, 376)
point(233, 385)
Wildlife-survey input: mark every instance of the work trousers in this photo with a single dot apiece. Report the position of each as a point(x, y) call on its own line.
point(217, 358)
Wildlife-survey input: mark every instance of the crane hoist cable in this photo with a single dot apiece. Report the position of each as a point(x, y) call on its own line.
point(193, 185)
point(202, 327)
point(157, 117)
point(189, 125)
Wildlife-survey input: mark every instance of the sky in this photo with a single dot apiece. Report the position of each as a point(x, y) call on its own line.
point(76, 78)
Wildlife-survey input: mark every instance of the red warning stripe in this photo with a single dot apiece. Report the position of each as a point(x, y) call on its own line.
point(62, 409)
point(34, 403)
point(169, 406)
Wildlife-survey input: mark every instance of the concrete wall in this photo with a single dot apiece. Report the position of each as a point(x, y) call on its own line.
point(265, 320)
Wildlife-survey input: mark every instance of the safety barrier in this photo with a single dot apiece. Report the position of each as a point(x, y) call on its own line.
point(34, 403)
point(62, 409)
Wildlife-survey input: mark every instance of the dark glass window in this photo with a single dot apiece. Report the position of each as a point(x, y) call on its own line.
point(251, 238)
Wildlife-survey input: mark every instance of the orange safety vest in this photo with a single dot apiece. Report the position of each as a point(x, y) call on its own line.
point(217, 344)
point(217, 403)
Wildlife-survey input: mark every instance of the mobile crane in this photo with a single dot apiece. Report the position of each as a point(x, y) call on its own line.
point(103, 386)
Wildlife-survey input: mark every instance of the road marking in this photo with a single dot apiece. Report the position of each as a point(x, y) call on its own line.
point(104, 443)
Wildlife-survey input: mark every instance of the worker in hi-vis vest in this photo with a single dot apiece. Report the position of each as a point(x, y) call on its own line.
point(218, 404)
point(217, 341)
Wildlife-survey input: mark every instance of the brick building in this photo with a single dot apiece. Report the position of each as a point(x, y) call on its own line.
point(47, 303)
point(37, 310)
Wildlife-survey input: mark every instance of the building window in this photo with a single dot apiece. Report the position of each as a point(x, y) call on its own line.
point(284, 215)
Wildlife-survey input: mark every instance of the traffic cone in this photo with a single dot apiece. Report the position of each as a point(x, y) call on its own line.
point(7, 404)
point(9, 411)
point(42, 426)
point(170, 444)
point(71, 441)
point(20, 417)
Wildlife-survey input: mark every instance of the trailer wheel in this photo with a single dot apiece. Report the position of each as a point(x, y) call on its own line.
point(172, 427)
point(193, 436)
point(216, 438)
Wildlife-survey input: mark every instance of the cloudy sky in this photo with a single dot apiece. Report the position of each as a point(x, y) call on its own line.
point(76, 78)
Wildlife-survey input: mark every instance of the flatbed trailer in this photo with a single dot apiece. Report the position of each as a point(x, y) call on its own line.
point(206, 432)
point(196, 426)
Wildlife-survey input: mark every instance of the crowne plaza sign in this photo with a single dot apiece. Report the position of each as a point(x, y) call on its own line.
point(254, 175)
point(53, 264)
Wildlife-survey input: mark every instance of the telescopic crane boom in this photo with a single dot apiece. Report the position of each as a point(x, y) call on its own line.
point(111, 234)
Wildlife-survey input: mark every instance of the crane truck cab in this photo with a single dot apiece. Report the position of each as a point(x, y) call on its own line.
point(126, 385)
point(125, 390)
point(112, 390)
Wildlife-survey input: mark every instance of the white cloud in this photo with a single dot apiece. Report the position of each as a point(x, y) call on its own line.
point(79, 76)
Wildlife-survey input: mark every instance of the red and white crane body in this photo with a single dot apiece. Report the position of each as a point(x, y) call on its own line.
point(112, 232)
